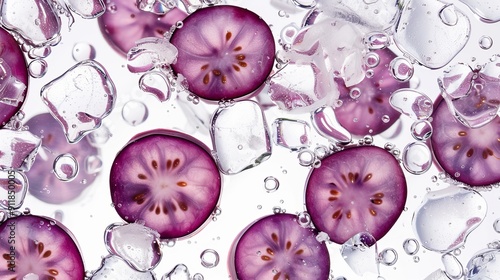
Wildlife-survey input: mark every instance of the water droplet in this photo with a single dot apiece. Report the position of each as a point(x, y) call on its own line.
point(386, 119)
point(448, 15)
point(411, 246)
point(65, 167)
point(388, 257)
point(271, 184)
point(355, 93)
point(485, 42)
point(157, 84)
point(377, 40)
point(306, 157)
point(83, 51)
point(372, 60)
point(416, 259)
point(401, 69)
point(134, 112)
point(417, 158)
point(496, 225)
point(209, 258)
point(421, 130)
point(37, 68)
point(304, 219)
point(452, 266)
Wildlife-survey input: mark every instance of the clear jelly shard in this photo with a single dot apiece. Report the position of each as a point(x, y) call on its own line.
point(112, 267)
point(412, 103)
point(18, 149)
point(472, 95)
point(35, 20)
point(487, 10)
point(417, 158)
point(465, 210)
point(12, 91)
point(180, 272)
point(291, 134)
point(157, 7)
point(326, 124)
point(149, 53)
point(80, 98)
point(136, 244)
point(374, 16)
point(87, 9)
point(157, 84)
point(452, 266)
point(446, 32)
point(484, 265)
point(437, 275)
point(240, 137)
point(361, 254)
point(13, 187)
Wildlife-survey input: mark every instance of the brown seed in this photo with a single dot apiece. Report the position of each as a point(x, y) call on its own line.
point(206, 79)
point(288, 245)
point(334, 192)
point(274, 237)
point(169, 164)
point(183, 206)
point(277, 276)
point(47, 254)
point(337, 214)
point(370, 110)
point(40, 247)
point(462, 133)
point(165, 210)
point(456, 147)
point(485, 154)
point(157, 210)
point(142, 176)
point(270, 251)
point(470, 152)
point(6, 256)
point(176, 162)
point(216, 72)
point(348, 214)
point(351, 177)
point(238, 48)
point(242, 63)
point(373, 212)
point(240, 57)
point(228, 35)
point(204, 67)
point(299, 252)
point(235, 67)
point(154, 163)
point(376, 201)
point(332, 198)
point(53, 271)
point(224, 79)
point(181, 184)
point(265, 258)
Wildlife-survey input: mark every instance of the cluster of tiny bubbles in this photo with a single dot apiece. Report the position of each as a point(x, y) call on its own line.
point(322, 237)
point(282, 13)
point(198, 276)
point(278, 210)
point(306, 157)
point(193, 98)
point(388, 257)
point(366, 140)
point(37, 68)
point(223, 103)
point(391, 148)
point(494, 244)
point(321, 151)
point(209, 258)
point(304, 219)
point(411, 246)
point(169, 33)
point(216, 213)
point(271, 184)
point(15, 122)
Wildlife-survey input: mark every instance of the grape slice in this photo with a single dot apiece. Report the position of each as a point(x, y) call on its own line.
point(167, 179)
point(14, 73)
point(124, 23)
point(44, 185)
point(468, 155)
point(359, 189)
point(276, 247)
point(370, 113)
point(38, 246)
point(225, 52)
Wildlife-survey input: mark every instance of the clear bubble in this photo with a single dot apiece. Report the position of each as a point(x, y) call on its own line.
point(198, 276)
point(134, 112)
point(209, 258)
point(386, 119)
point(83, 51)
point(448, 15)
point(355, 93)
point(452, 266)
point(271, 184)
point(99, 136)
point(411, 246)
point(372, 60)
point(401, 69)
point(421, 130)
point(496, 225)
point(388, 257)
point(37, 68)
point(306, 157)
point(377, 40)
point(321, 152)
point(485, 42)
point(65, 167)
point(417, 158)
point(304, 219)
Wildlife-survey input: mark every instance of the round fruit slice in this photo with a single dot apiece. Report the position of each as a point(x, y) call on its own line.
point(167, 179)
point(35, 247)
point(124, 23)
point(44, 184)
point(359, 189)
point(225, 52)
point(276, 247)
point(469, 155)
point(369, 112)
point(14, 73)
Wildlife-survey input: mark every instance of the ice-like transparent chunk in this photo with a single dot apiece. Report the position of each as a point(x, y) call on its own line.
point(326, 124)
point(452, 266)
point(12, 91)
point(484, 265)
point(361, 254)
point(412, 103)
point(13, 187)
point(18, 149)
point(80, 99)
point(374, 16)
point(35, 20)
point(150, 52)
point(240, 136)
point(191, 5)
point(157, 7)
point(291, 134)
point(137, 244)
point(417, 158)
point(157, 84)
point(180, 272)
point(113, 267)
point(437, 275)
point(487, 10)
point(472, 95)
point(465, 209)
point(447, 31)
point(87, 8)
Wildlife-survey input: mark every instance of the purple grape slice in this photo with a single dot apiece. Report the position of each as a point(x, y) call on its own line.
point(14, 83)
point(44, 185)
point(359, 189)
point(225, 52)
point(276, 247)
point(40, 246)
point(124, 23)
point(371, 113)
point(167, 179)
point(468, 155)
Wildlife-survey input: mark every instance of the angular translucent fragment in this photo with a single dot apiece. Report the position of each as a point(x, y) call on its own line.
point(18, 149)
point(149, 53)
point(360, 253)
point(472, 95)
point(12, 90)
point(80, 99)
point(326, 124)
point(372, 16)
point(412, 103)
point(35, 20)
point(465, 210)
point(447, 31)
point(113, 267)
point(485, 264)
point(487, 10)
point(291, 134)
point(13, 187)
point(180, 272)
point(240, 137)
point(88, 8)
point(136, 244)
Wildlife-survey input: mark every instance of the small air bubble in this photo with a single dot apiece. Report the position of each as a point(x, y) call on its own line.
point(485, 42)
point(209, 258)
point(388, 257)
point(271, 184)
point(37, 68)
point(411, 246)
point(496, 225)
